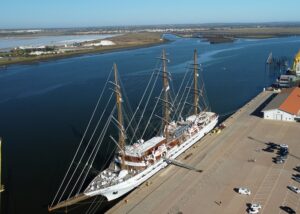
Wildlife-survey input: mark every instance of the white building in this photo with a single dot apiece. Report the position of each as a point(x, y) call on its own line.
point(39, 53)
point(285, 106)
point(101, 43)
point(31, 47)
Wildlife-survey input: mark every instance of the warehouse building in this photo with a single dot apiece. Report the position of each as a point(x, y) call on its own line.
point(285, 106)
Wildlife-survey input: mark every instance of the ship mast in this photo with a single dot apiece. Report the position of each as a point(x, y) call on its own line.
point(1, 185)
point(196, 92)
point(166, 102)
point(120, 117)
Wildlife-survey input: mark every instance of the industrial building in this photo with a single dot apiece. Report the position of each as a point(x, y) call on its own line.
point(285, 106)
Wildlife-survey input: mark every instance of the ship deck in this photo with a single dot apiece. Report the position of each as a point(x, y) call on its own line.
point(233, 158)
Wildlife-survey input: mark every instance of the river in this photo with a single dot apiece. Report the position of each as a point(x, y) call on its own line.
point(44, 107)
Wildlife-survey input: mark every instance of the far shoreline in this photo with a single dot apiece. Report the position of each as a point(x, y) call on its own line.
point(133, 41)
point(220, 39)
point(77, 54)
point(123, 43)
point(48, 58)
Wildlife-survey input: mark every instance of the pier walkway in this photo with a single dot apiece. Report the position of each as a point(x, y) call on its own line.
point(231, 159)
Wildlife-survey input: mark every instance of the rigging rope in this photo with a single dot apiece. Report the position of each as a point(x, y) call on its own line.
point(85, 132)
point(204, 92)
point(91, 205)
point(97, 146)
point(175, 99)
point(148, 122)
point(182, 96)
point(96, 206)
point(138, 107)
point(143, 112)
point(128, 113)
point(87, 146)
point(185, 101)
point(107, 159)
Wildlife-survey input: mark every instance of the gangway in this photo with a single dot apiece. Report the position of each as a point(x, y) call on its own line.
point(178, 163)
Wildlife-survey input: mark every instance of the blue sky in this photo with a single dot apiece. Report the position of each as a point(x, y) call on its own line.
point(85, 13)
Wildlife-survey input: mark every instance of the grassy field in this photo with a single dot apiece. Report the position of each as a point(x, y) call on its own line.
point(228, 34)
point(263, 32)
point(126, 41)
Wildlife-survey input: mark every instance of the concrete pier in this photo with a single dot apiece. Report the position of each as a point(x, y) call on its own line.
point(230, 159)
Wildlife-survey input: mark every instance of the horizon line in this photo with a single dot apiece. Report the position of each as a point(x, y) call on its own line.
point(153, 25)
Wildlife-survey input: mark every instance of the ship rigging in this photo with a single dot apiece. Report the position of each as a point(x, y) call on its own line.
point(135, 160)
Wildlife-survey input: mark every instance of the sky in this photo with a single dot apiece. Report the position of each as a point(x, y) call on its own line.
point(97, 13)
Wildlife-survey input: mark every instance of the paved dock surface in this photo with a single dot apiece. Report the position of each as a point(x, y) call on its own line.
point(233, 158)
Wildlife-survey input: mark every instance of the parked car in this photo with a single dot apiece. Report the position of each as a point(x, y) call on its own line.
point(272, 145)
point(253, 211)
point(284, 146)
point(255, 206)
point(280, 157)
point(279, 161)
point(296, 178)
point(283, 151)
point(294, 189)
point(244, 191)
point(268, 149)
point(297, 175)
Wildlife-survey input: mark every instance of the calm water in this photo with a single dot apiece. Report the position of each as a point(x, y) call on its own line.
point(45, 107)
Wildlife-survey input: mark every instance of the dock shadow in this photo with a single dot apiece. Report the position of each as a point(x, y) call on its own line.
point(257, 140)
point(258, 111)
point(287, 209)
point(275, 160)
point(236, 190)
point(270, 146)
point(248, 205)
point(297, 169)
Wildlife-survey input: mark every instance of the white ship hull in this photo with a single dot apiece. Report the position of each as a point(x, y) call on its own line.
point(120, 189)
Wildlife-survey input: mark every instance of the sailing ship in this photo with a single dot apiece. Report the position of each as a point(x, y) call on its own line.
point(135, 163)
